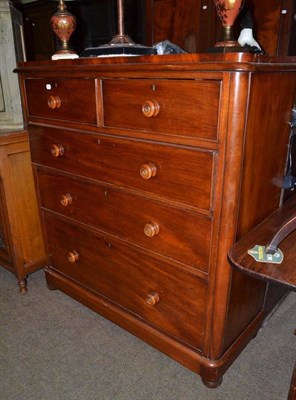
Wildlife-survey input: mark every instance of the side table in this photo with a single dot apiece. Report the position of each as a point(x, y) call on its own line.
point(22, 248)
point(279, 228)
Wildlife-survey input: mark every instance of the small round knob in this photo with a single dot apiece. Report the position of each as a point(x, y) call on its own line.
point(151, 229)
point(150, 108)
point(66, 199)
point(148, 170)
point(73, 256)
point(54, 102)
point(57, 150)
point(152, 298)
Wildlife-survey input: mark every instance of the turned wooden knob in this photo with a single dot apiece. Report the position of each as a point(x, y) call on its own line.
point(151, 229)
point(152, 298)
point(73, 256)
point(57, 150)
point(66, 199)
point(150, 108)
point(54, 102)
point(148, 170)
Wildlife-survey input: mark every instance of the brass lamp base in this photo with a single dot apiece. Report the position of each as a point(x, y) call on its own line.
point(121, 44)
point(227, 38)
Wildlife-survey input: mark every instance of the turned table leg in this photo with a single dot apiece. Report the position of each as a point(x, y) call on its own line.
point(23, 286)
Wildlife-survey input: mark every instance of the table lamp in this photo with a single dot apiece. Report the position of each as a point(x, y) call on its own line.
point(63, 25)
point(121, 44)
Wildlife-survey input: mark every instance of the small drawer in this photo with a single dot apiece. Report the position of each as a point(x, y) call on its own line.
point(62, 99)
point(179, 235)
point(179, 174)
point(152, 290)
point(176, 107)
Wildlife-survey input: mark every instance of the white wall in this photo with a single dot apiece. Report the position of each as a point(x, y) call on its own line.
point(10, 104)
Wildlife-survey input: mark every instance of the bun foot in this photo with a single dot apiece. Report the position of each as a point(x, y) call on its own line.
point(49, 283)
point(212, 384)
point(23, 286)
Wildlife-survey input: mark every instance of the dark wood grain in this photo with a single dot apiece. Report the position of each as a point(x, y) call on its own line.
point(193, 26)
point(77, 99)
point(114, 271)
point(125, 215)
point(175, 99)
point(119, 161)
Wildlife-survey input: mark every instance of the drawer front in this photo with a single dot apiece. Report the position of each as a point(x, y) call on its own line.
point(180, 174)
point(182, 108)
point(62, 99)
point(177, 234)
point(152, 290)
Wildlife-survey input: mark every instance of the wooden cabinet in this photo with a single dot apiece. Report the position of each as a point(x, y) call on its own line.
point(148, 171)
point(192, 24)
point(275, 25)
point(22, 249)
point(96, 24)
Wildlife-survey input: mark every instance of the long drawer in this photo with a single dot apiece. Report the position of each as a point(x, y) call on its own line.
point(184, 238)
point(62, 99)
point(180, 174)
point(152, 290)
point(176, 107)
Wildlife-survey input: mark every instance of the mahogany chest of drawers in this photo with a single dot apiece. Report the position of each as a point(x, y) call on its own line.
point(148, 170)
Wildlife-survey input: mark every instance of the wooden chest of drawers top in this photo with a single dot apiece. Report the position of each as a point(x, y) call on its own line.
point(150, 105)
point(149, 97)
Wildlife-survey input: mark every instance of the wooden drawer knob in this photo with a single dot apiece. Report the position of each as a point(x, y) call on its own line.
point(150, 108)
point(54, 102)
point(152, 298)
point(151, 229)
point(57, 150)
point(66, 199)
point(73, 256)
point(148, 170)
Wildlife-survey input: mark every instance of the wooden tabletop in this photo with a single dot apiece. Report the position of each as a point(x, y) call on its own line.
point(284, 273)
